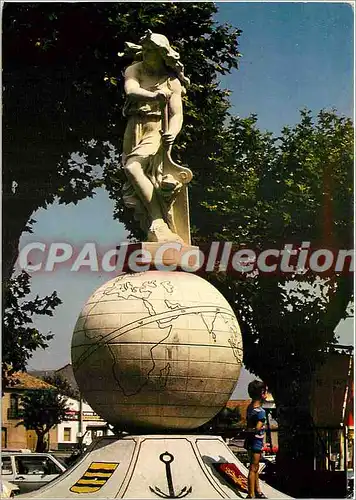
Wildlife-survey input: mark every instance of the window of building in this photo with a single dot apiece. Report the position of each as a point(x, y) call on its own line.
point(14, 402)
point(13, 410)
point(67, 434)
point(96, 431)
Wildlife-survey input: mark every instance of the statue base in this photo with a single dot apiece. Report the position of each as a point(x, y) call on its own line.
point(155, 466)
point(169, 256)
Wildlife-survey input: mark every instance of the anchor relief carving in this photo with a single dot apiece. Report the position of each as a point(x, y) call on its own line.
point(167, 459)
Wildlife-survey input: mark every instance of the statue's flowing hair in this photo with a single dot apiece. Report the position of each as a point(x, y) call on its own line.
point(170, 56)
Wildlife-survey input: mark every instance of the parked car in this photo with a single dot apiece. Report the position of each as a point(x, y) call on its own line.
point(30, 471)
point(8, 490)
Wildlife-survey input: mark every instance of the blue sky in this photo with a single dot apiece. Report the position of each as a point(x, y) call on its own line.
point(295, 55)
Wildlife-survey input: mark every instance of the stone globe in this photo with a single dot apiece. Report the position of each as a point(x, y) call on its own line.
point(156, 351)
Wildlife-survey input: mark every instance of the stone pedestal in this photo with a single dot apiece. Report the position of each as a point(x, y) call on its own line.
point(172, 256)
point(155, 466)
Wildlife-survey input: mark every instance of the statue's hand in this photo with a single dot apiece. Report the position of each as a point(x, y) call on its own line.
point(162, 96)
point(168, 139)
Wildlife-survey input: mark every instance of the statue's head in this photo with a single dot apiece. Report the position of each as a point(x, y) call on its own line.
point(155, 48)
point(155, 45)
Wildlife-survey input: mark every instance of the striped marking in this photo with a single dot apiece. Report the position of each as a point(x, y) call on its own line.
point(94, 478)
point(98, 474)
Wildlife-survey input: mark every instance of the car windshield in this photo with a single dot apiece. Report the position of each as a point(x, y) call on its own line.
point(36, 465)
point(62, 462)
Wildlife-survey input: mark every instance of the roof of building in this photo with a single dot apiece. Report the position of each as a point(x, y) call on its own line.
point(66, 372)
point(25, 381)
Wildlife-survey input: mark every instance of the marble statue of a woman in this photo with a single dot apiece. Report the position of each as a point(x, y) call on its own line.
point(154, 84)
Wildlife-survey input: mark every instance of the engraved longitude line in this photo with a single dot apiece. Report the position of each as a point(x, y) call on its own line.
point(93, 348)
point(109, 291)
point(135, 324)
point(106, 292)
point(232, 341)
point(149, 372)
point(151, 355)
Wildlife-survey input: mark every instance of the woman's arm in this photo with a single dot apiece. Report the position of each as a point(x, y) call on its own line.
point(133, 88)
point(175, 109)
point(175, 113)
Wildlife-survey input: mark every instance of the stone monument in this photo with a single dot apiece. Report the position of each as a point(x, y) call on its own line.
point(156, 353)
point(156, 350)
point(156, 186)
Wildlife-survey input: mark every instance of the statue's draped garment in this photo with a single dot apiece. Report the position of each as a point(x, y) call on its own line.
point(143, 139)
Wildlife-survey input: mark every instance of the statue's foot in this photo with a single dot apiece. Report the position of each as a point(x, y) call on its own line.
point(160, 232)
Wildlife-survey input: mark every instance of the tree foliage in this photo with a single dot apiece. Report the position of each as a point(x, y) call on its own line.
point(269, 191)
point(294, 188)
point(62, 385)
point(63, 94)
point(249, 187)
point(42, 409)
point(63, 99)
point(20, 338)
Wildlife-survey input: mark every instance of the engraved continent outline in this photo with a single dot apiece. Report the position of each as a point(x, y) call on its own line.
point(127, 291)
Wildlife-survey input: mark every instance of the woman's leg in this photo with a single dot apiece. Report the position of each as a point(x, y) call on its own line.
point(143, 186)
point(158, 230)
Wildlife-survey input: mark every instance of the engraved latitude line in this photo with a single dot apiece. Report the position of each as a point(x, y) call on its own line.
point(150, 309)
point(143, 322)
point(134, 325)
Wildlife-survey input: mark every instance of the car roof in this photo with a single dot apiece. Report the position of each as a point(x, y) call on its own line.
point(14, 450)
point(30, 453)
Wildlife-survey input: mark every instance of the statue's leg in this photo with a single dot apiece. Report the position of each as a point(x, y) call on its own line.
point(143, 187)
point(159, 230)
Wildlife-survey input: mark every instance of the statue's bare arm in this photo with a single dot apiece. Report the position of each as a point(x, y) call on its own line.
point(175, 110)
point(132, 85)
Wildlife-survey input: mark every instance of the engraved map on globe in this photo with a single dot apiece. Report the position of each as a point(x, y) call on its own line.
point(157, 349)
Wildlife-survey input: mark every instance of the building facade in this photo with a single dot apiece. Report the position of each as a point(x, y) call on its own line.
point(13, 435)
point(82, 425)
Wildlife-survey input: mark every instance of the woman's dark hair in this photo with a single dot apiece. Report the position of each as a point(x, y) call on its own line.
point(255, 389)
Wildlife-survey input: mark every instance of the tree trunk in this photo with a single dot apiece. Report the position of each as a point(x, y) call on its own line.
point(16, 215)
point(296, 436)
point(42, 443)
